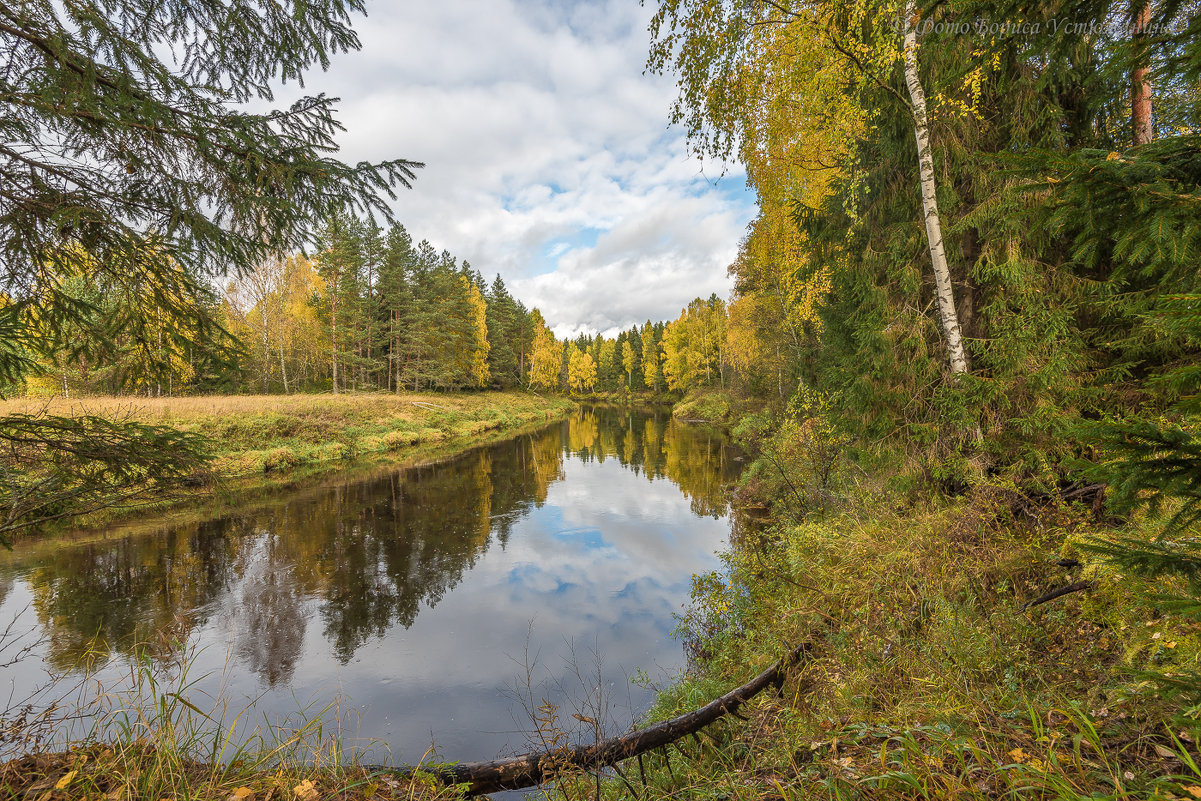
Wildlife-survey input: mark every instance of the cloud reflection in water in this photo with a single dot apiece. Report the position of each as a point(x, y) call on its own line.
point(415, 595)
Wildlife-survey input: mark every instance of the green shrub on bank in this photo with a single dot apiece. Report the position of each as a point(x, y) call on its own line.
point(709, 405)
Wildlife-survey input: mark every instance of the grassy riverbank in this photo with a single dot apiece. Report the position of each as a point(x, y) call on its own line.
point(140, 770)
point(262, 433)
point(927, 677)
point(257, 442)
point(152, 740)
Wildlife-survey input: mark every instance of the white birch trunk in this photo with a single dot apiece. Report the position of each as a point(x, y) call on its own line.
point(283, 368)
point(266, 353)
point(944, 292)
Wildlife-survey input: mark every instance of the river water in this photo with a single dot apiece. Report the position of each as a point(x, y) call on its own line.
point(425, 607)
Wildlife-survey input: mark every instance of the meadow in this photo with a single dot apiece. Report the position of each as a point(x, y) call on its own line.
point(256, 434)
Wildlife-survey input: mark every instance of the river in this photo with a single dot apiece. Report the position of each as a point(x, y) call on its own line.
point(427, 610)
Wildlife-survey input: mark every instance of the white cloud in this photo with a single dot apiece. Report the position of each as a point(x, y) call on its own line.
point(548, 156)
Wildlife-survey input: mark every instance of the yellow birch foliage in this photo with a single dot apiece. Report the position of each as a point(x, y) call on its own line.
point(581, 370)
point(792, 150)
point(651, 360)
point(763, 84)
point(547, 355)
point(694, 345)
point(472, 357)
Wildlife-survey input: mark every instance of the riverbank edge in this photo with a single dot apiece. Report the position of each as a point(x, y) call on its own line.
point(963, 646)
point(252, 460)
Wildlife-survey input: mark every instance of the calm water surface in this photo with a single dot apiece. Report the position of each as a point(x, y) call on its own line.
point(417, 597)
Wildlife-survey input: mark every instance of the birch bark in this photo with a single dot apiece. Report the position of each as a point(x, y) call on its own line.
point(944, 291)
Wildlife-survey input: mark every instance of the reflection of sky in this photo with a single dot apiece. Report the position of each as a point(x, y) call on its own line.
point(598, 570)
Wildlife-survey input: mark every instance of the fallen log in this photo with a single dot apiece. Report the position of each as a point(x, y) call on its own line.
point(1082, 491)
point(1059, 593)
point(529, 770)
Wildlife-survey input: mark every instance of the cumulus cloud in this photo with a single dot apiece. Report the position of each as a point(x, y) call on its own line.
point(548, 156)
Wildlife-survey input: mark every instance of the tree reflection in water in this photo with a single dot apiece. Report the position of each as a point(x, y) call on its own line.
point(358, 559)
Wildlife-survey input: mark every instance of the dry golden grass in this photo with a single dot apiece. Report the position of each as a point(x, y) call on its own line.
point(129, 771)
point(365, 406)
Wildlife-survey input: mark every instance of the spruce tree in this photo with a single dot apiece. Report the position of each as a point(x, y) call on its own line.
point(397, 299)
point(1149, 462)
point(115, 148)
point(126, 137)
point(419, 347)
point(504, 335)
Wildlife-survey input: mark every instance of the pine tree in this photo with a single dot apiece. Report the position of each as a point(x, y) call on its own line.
point(505, 335)
point(419, 320)
point(652, 371)
point(339, 263)
point(373, 333)
point(397, 291)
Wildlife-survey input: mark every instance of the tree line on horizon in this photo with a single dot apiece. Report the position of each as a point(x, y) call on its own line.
point(370, 310)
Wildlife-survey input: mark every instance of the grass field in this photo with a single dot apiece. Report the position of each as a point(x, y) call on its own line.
point(254, 434)
point(258, 444)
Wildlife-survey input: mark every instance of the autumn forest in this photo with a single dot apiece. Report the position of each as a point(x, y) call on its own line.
point(370, 311)
point(916, 498)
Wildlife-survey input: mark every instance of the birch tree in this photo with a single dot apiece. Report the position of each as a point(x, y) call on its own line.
point(742, 67)
point(944, 290)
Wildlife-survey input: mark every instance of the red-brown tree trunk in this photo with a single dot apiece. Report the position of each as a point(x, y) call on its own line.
point(1140, 76)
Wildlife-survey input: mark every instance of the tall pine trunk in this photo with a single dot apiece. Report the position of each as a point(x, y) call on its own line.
point(944, 291)
point(1140, 77)
point(333, 329)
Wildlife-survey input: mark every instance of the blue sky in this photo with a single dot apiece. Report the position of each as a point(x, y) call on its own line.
point(549, 159)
